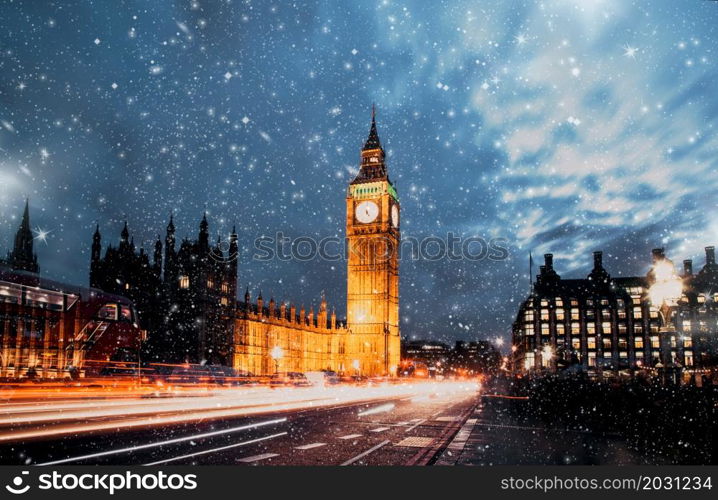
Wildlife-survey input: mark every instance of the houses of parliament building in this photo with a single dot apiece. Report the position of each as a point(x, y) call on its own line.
point(186, 293)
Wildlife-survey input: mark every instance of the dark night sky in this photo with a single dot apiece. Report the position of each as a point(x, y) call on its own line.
point(564, 126)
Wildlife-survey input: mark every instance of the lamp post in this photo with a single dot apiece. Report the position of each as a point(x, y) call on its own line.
point(547, 356)
point(664, 294)
point(277, 353)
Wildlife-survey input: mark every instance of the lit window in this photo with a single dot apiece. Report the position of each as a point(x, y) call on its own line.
point(574, 313)
point(655, 342)
point(622, 329)
point(637, 313)
point(687, 342)
point(544, 329)
point(529, 330)
point(701, 299)
point(622, 343)
point(606, 327)
point(559, 301)
point(576, 343)
point(638, 329)
point(607, 344)
point(591, 342)
point(638, 342)
point(210, 283)
point(688, 357)
point(108, 311)
point(225, 288)
point(575, 328)
point(559, 314)
point(606, 314)
point(560, 329)
point(184, 281)
point(544, 314)
point(224, 301)
point(529, 361)
point(623, 354)
point(529, 316)
point(687, 325)
point(591, 359)
point(591, 328)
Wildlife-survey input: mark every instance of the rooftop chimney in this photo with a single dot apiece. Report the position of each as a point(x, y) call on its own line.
point(549, 261)
point(710, 255)
point(658, 254)
point(687, 267)
point(597, 260)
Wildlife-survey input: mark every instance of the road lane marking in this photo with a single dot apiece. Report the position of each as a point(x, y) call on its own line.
point(417, 424)
point(350, 436)
point(169, 441)
point(221, 448)
point(310, 446)
point(379, 429)
point(257, 458)
point(367, 452)
point(450, 418)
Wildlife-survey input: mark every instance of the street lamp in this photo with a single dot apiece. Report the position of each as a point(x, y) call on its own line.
point(276, 353)
point(547, 356)
point(664, 294)
point(355, 365)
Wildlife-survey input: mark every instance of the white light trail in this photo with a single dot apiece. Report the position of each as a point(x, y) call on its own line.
point(367, 452)
point(168, 441)
point(215, 450)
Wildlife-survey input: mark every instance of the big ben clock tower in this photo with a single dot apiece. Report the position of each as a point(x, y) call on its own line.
point(373, 213)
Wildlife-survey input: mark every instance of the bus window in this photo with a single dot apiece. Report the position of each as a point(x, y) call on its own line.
point(108, 312)
point(126, 313)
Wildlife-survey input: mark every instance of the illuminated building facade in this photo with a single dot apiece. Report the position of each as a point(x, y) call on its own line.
point(372, 230)
point(369, 344)
point(187, 297)
point(605, 324)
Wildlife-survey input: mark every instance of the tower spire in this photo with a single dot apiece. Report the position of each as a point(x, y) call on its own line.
point(373, 141)
point(22, 256)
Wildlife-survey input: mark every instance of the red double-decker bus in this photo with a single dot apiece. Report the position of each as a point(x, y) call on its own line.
point(52, 330)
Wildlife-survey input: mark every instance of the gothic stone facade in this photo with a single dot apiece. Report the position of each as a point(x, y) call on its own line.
point(188, 304)
point(188, 301)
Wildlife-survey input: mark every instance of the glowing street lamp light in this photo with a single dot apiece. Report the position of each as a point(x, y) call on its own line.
point(499, 342)
point(276, 353)
point(664, 294)
point(666, 289)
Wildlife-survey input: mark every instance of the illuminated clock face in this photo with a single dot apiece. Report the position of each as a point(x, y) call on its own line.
point(367, 211)
point(395, 216)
